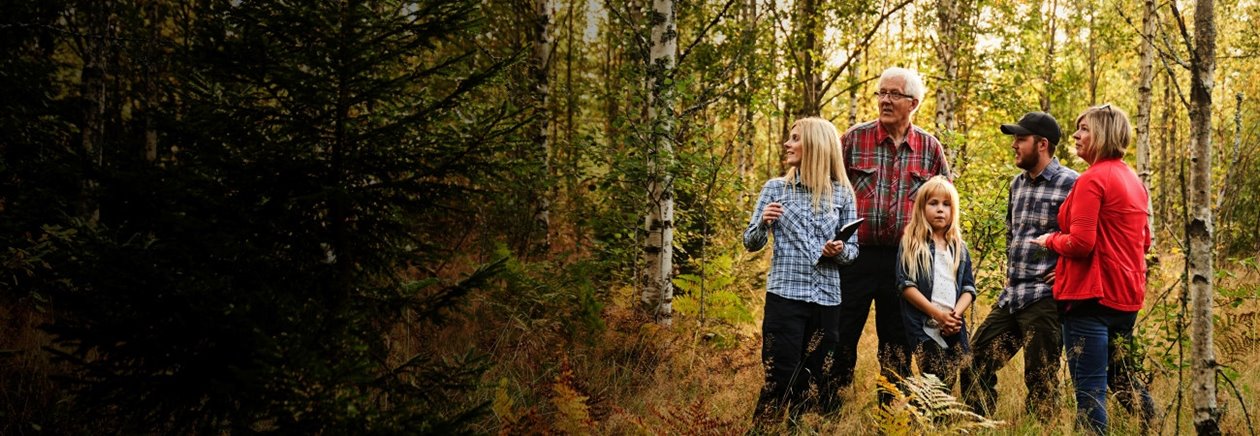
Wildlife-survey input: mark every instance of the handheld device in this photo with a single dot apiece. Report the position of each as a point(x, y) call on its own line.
point(847, 230)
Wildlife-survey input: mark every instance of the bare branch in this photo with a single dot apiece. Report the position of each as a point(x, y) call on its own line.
point(638, 37)
point(1181, 24)
point(705, 31)
point(1172, 78)
point(796, 61)
point(851, 87)
point(1169, 53)
point(866, 40)
point(708, 101)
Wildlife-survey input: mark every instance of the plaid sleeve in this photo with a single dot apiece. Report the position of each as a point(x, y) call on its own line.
point(755, 235)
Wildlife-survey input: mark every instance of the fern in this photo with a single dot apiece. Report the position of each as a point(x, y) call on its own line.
point(1236, 335)
point(574, 415)
point(922, 405)
point(695, 420)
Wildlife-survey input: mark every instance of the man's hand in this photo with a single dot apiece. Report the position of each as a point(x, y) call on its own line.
point(1048, 278)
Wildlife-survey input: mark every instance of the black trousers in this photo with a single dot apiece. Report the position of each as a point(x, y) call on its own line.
point(798, 342)
point(942, 362)
point(872, 279)
point(1036, 330)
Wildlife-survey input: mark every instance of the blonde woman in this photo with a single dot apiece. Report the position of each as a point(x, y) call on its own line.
point(803, 210)
point(1100, 278)
point(936, 282)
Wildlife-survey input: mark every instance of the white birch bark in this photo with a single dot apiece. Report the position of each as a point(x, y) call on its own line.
point(950, 41)
point(1203, 362)
point(1145, 78)
point(542, 93)
point(658, 252)
point(748, 130)
point(1048, 72)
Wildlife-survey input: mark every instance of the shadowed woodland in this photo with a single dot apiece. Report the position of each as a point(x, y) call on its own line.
point(524, 216)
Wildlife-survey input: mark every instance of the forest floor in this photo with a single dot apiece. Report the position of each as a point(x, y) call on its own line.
point(694, 378)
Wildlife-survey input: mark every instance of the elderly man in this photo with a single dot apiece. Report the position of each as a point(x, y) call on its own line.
point(887, 160)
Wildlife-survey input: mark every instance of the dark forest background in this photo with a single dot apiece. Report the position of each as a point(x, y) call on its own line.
point(458, 216)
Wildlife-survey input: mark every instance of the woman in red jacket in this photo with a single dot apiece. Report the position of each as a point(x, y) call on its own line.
point(1100, 278)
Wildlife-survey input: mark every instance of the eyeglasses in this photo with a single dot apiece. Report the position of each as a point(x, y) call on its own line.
point(891, 95)
point(1105, 106)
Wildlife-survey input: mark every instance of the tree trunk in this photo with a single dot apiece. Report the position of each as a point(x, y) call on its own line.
point(1092, 43)
point(1223, 213)
point(805, 24)
point(571, 51)
point(946, 50)
point(854, 72)
point(542, 97)
point(748, 130)
point(1204, 365)
point(951, 40)
point(1145, 77)
point(150, 99)
point(1047, 75)
point(658, 251)
point(96, 46)
point(1166, 147)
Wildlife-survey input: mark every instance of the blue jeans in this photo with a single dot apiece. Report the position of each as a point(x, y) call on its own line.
point(1095, 347)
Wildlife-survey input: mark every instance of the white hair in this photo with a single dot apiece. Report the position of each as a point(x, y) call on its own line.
point(914, 83)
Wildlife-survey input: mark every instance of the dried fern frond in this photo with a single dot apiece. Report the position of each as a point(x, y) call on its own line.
point(923, 405)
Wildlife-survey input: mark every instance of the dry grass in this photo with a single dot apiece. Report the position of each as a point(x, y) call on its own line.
point(28, 398)
point(640, 379)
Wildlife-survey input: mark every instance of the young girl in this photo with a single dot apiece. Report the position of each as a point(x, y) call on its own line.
point(803, 210)
point(934, 275)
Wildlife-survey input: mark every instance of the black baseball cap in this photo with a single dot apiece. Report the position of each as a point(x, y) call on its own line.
point(1035, 123)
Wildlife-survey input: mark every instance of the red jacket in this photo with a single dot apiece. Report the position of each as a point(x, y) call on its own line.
point(1103, 239)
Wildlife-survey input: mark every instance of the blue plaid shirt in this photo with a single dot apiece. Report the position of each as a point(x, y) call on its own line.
point(798, 269)
point(1032, 210)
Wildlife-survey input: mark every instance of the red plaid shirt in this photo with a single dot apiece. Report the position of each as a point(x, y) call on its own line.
point(885, 177)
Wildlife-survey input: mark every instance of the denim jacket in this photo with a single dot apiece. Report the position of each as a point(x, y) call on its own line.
point(913, 318)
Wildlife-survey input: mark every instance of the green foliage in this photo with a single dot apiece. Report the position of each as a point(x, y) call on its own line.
point(984, 203)
point(555, 297)
point(248, 279)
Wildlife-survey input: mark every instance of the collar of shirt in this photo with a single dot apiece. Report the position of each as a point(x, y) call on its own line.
point(1048, 174)
point(911, 139)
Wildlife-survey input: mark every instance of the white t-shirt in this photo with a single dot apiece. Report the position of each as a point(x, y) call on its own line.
point(944, 282)
point(944, 290)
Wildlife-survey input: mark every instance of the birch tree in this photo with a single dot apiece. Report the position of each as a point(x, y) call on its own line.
point(747, 130)
point(1199, 230)
point(1145, 78)
point(1047, 72)
point(807, 30)
point(806, 51)
point(953, 36)
point(542, 44)
point(658, 252)
point(94, 47)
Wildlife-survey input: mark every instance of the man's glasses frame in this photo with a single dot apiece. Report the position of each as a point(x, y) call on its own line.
point(891, 95)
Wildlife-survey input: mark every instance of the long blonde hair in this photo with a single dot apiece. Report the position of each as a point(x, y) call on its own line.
point(822, 163)
point(915, 253)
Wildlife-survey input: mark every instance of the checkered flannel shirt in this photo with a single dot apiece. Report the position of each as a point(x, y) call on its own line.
point(886, 175)
point(1032, 210)
point(797, 268)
